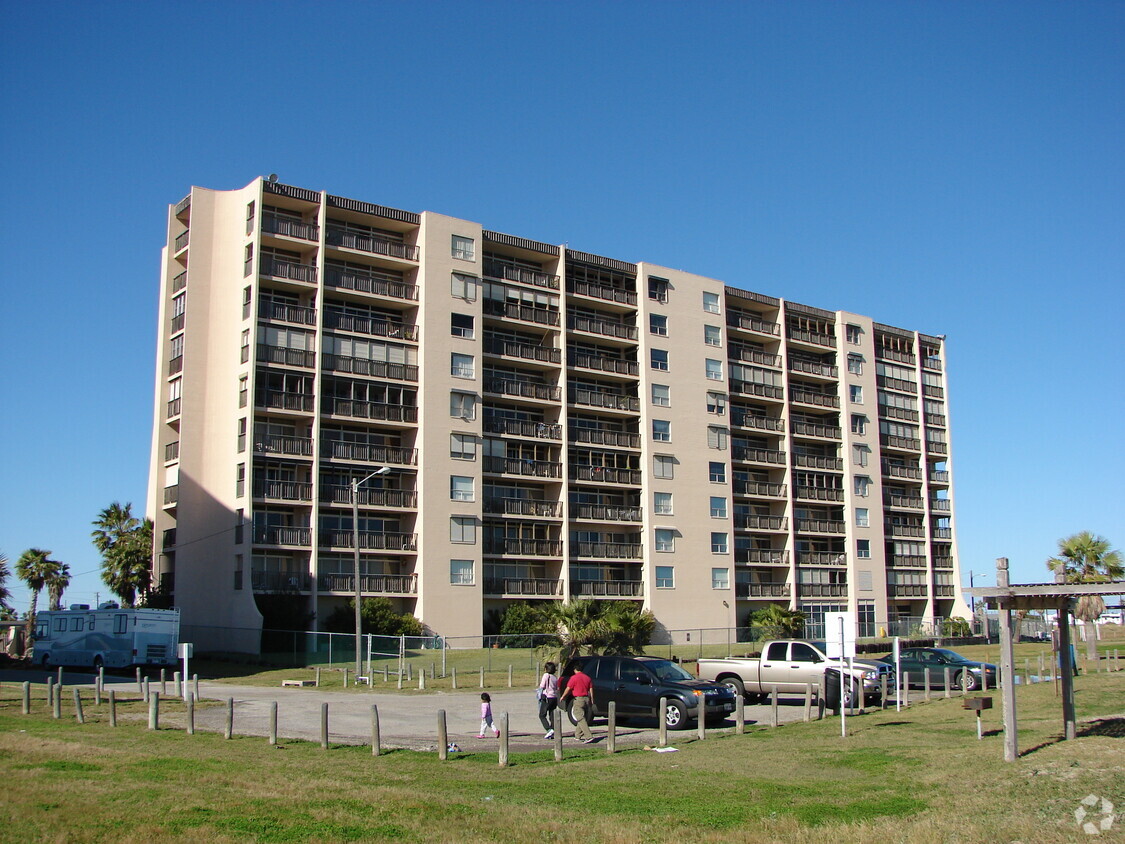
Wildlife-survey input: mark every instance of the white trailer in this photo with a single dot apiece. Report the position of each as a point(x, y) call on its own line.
point(108, 636)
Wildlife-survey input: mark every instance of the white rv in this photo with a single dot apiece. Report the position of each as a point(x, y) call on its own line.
point(108, 636)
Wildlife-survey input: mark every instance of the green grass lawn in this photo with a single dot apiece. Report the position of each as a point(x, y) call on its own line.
point(919, 775)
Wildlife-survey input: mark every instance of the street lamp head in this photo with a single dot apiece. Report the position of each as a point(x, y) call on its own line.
point(383, 470)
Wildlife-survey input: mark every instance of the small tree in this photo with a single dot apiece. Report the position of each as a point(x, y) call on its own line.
point(1087, 558)
point(777, 622)
point(521, 623)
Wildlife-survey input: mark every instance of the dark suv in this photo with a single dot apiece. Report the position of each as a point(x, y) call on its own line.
point(637, 684)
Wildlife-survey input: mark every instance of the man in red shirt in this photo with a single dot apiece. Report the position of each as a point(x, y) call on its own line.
point(581, 688)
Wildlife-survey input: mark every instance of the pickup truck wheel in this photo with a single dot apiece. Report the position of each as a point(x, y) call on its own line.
point(675, 715)
point(736, 685)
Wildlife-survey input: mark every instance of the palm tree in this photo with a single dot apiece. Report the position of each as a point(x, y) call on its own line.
point(56, 582)
point(1087, 558)
point(777, 622)
point(33, 568)
point(5, 592)
point(125, 543)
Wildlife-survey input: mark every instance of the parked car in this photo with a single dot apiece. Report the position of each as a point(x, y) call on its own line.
point(917, 661)
point(638, 683)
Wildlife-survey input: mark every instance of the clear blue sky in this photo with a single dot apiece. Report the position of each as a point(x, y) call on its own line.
point(951, 167)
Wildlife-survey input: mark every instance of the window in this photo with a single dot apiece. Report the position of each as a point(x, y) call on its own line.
point(717, 472)
point(463, 529)
point(855, 364)
point(855, 393)
point(863, 549)
point(239, 480)
point(464, 287)
point(461, 488)
point(661, 430)
point(665, 577)
point(861, 517)
point(661, 395)
point(665, 539)
point(717, 403)
point(461, 325)
point(120, 624)
point(714, 369)
point(719, 543)
point(463, 446)
point(663, 466)
point(662, 503)
point(718, 507)
point(659, 359)
point(859, 424)
point(461, 572)
point(463, 405)
point(862, 485)
point(860, 454)
point(461, 366)
point(658, 325)
point(712, 335)
point(717, 437)
point(720, 578)
point(853, 333)
point(711, 303)
point(463, 248)
point(658, 289)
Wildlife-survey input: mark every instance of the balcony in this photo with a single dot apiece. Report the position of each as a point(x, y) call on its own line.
point(602, 327)
point(181, 241)
point(522, 389)
point(812, 493)
point(759, 488)
point(507, 272)
point(371, 368)
point(751, 388)
point(941, 505)
point(943, 562)
point(365, 453)
point(823, 590)
point(287, 227)
point(820, 526)
point(283, 490)
point(886, 411)
point(611, 401)
point(935, 447)
point(758, 455)
point(897, 356)
point(745, 521)
point(523, 313)
point(932, 363)
point(523, 547)
point(286, 357)
point(825, 370)
point(605, 512)
point(939, 477)
point(367, 497)
point(279, 400)
point(389, 584)
point(607, 589)
point(822, 558)
point(606, 550)
point(604, 292)
point(933, 392)
point(597, 436)
point(375, 285)
point(942, 533)
point(177, 323)
point(281, 312)
point(796, 394)
point(761, 556)
point(370, 410)
point(893, 470)
point(762, 590)
point(370, 540)
point(603, 474)
point(295, 537)
point(179, 282)
point(935, 420)
point(277, 268)
point(371, 244)
point(371, 327)
point(532, 587)
point(743, 419)
point(812, 337)
point(903, 502)
point(174, 408)
point(907, 561)
point(289, 446)
point(521, 351)
point(942, 590)
point(280, 581)
point(171, 495)
point(525, 467)
point(746, 355)
point(906, 530)
point(169, 540)
point(809, 429)
point(522, 428)
point(599, 363)
point(896, 384)
point(749, 323)
point(901, 443)
point(906, 590)
point(523, 507)
point(172, 452)
point(818, 461)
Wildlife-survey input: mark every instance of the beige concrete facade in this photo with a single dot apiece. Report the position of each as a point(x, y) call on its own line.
point(551, 424)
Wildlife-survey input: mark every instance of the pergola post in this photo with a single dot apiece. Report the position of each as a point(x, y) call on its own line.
point(1007, 668)
point(1066, 670)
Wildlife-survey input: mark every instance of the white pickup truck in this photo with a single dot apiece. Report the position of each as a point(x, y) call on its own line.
point(792, 665)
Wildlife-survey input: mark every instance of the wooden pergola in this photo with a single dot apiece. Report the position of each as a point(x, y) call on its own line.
point(1035, 596)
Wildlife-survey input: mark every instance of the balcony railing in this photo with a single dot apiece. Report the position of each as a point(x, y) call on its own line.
point(823, 590)
point(176, 364)
point(522, 351)
point(617, 366)
point(597, 436)
point(812, 337)
point(523, 389)
point(370, 410)
point(613, 401)
point(809, 429)
point(940, 505)
point(906, 590)
point(372, 327)
point(745, 521)
point(370, 540)
point(286, 357)
point(523, 313)
point(758, 455)
point(523, 507)
point(812, 493)
point(932, 363)
point(812, 368)
point(172, 452)
point(603, 292)
point(907, 502)
point(280, 581)
point(608, 588)
point(942, 533)
point(822, 558)
point(277, 268)
point(169, 538)
point(759, 423)
point(903, 443)
point(283, 490)
point(174, 408)
point(391, 584)
point(933, 392)
point(935, 420)
point(906, 530)
point(375, 285)
point(537, 278)
point(943, 562)
point(182, 240)
point(762, 590)
point(750, 388)
point(603, 327)
point(889, 412)
point(896, 384)
point(279, 400)
point(892, 470)
point(908, 561)
point(371, 244)
point(935, 447)
point(394, 498)
point(796, 394)
point(290, 446)
point(524, 547)
point(523, 467)
point(522, 428)
point(605, 512)
point(746, 355)
point(171, 495)
point(299, 537)
point(820, 526)
point(365, 453)
point(179, 282)
point(818, 461)
point(372, 368)
point(273, 224)
point(177, 323)
point(892, 354)
point(759, 488)
point(281, 312)
point(544, 587)
point(749, 323)
point(939, 477)
point(602, 474)
point(761, 556)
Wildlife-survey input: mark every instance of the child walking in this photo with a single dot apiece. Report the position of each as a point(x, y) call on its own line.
point(486, 716)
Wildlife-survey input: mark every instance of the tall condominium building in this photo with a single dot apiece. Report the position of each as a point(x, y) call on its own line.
point(542, 424)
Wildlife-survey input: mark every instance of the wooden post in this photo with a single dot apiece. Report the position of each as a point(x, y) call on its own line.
point(819, 703)
point(926, 679)
point(611, 737)
point(442, 736)
point(228, 732)
point(883, 692)
point(318, 677)
point(176, 684)
point(509, 675)
point(556, 725)
point(808, 701)
point(324, 726)
point(773, 706)
point(663, 725)
point(1066, 671)
point(503, 740)
point(1007, 669)
point(273, 722)
point(904, 689)
point(375, 738)
point(78, 707)
point(740, 714)
point(454, 675)
point(163, 682)
point(345, 676)
point(948, 683)
point(195, 685)
point(190, 714)
point(26, 697)
point(112, 708)
point(56, 702)
point(482, 676)
point(154, 711)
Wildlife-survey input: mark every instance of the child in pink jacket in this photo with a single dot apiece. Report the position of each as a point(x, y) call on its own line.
point(486, 716)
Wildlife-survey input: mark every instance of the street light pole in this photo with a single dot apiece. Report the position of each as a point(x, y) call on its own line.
point(355, 547)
